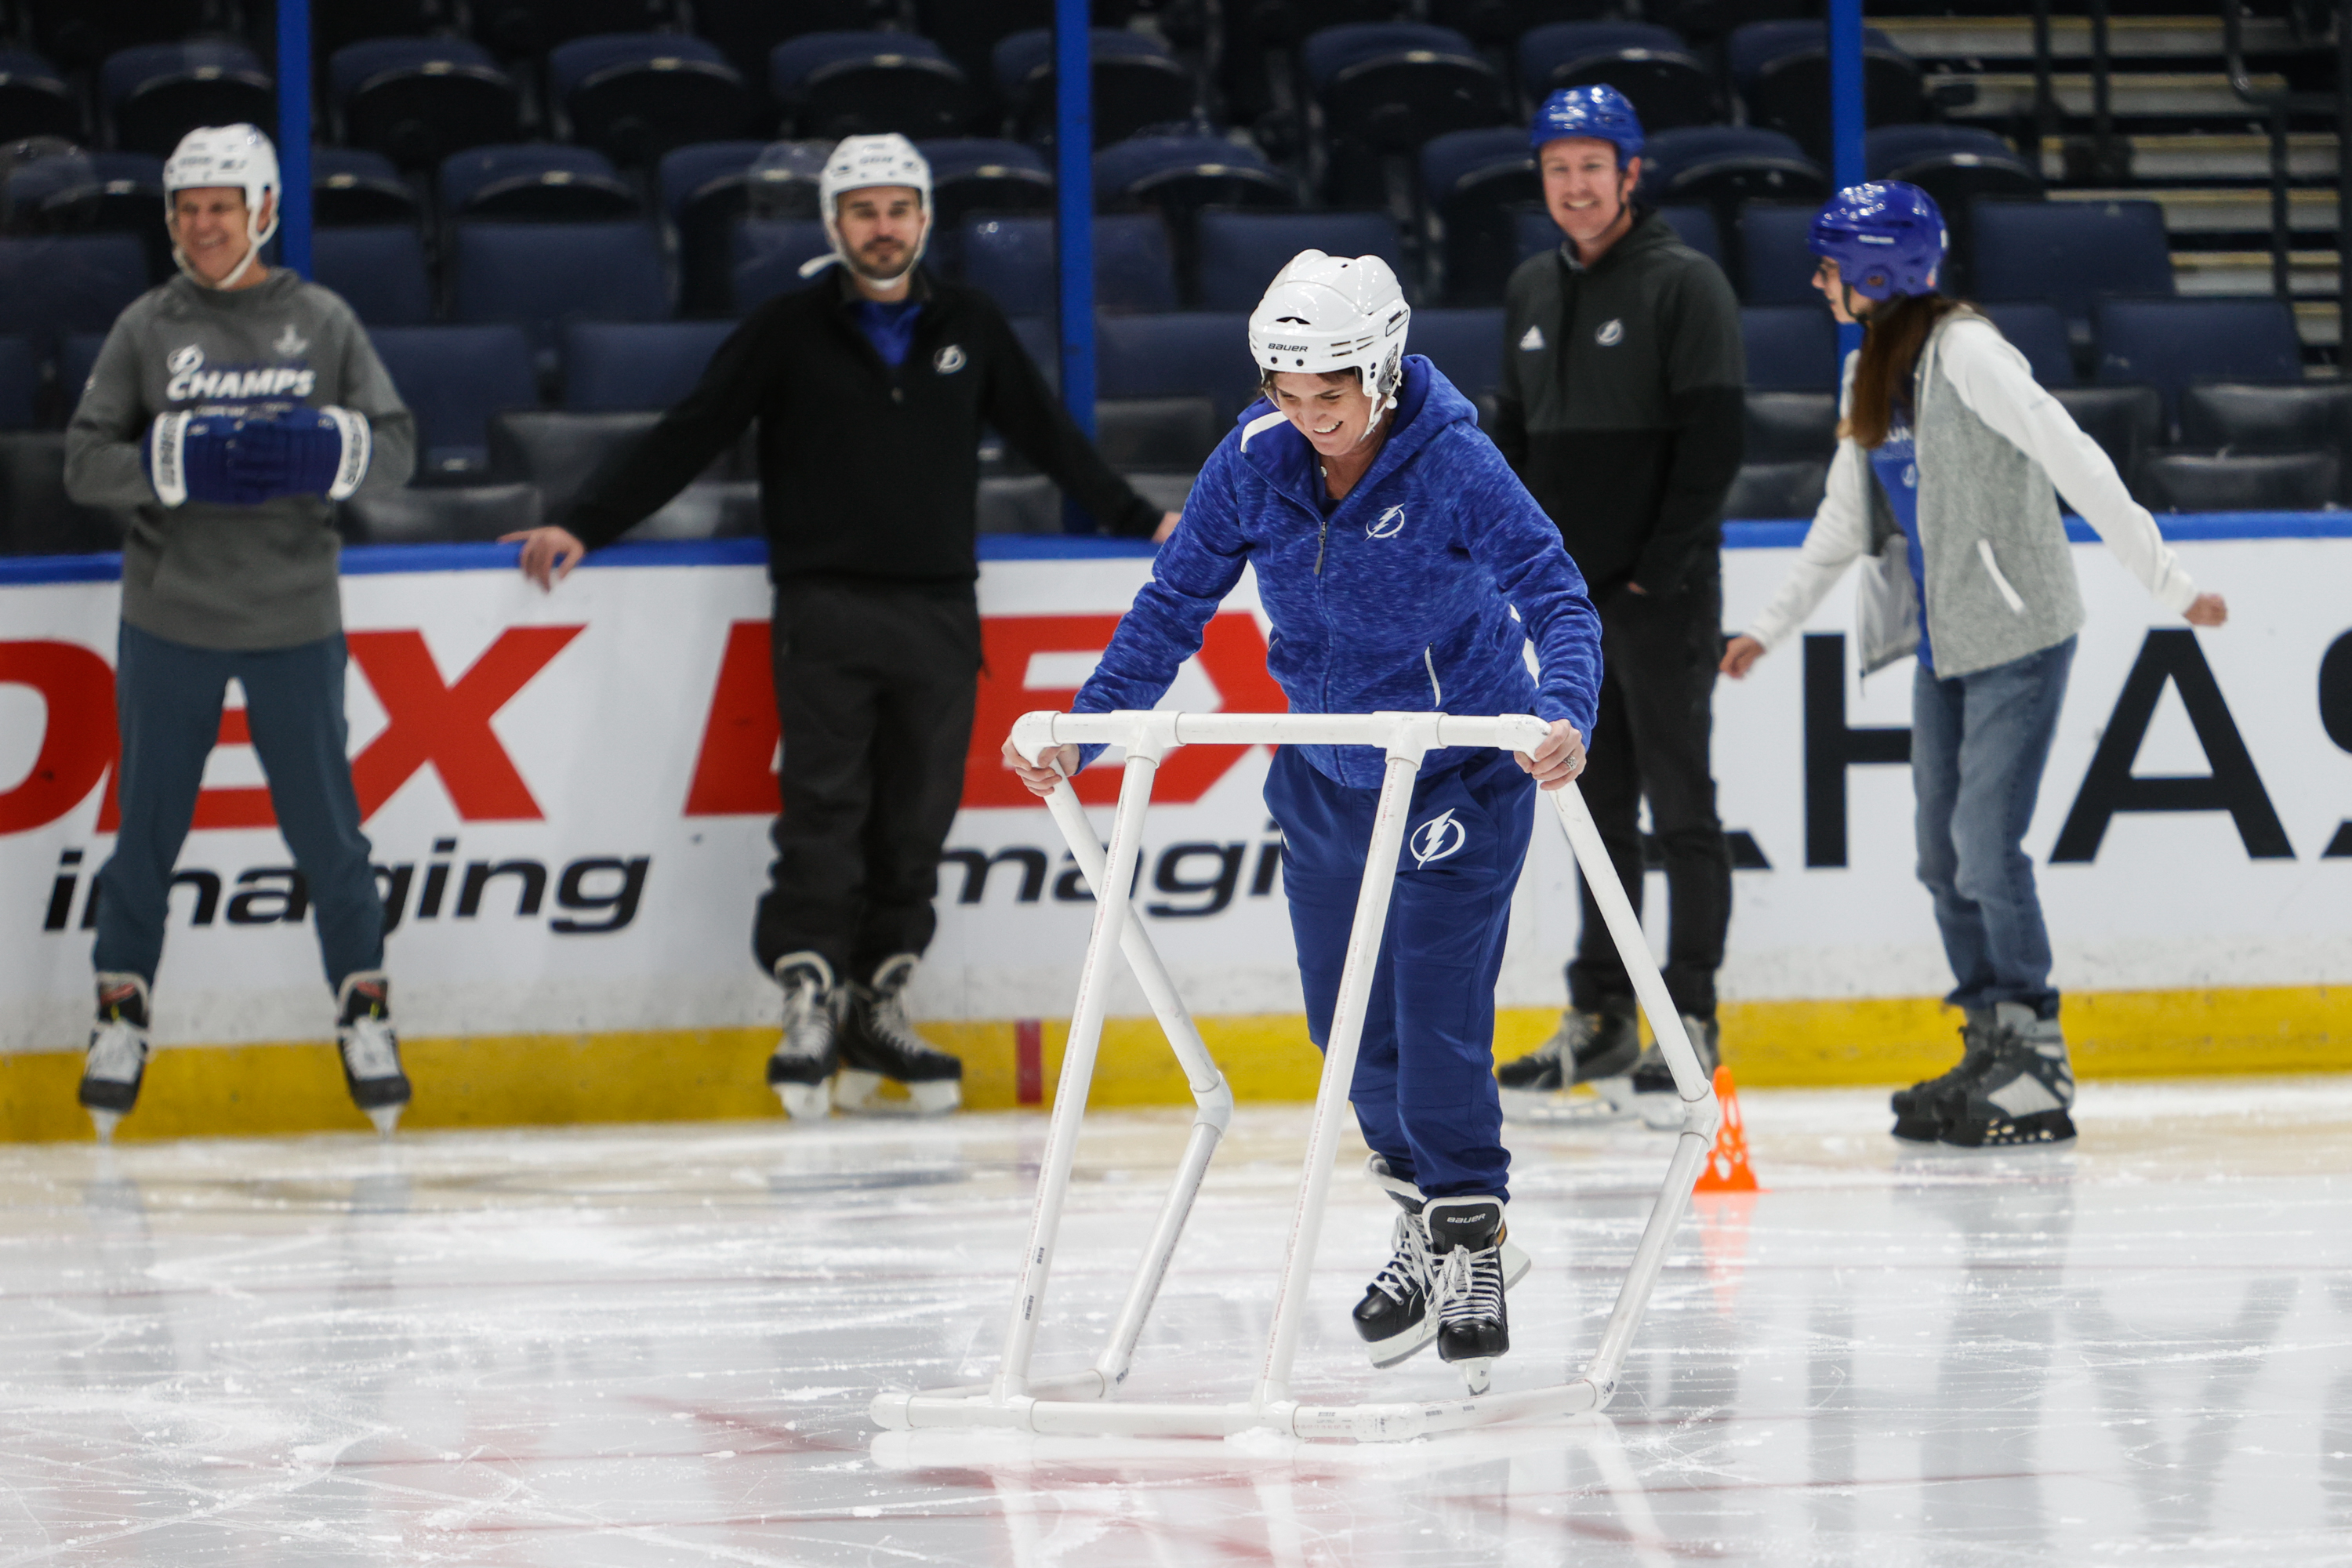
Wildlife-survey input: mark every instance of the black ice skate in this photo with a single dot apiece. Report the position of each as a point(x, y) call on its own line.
point(1394, 1318)
point(1919, 1110)
point(117, 1062)
point(2022, 1096)
point(371, 1051)
point(801, 1070)
point(1473, 1324)
point(879, 1043)
point(1655, 1097)
point(1590, 1047)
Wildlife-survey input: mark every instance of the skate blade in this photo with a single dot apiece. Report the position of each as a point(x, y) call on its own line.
point(1478, 1374)
point(104, 1121)
point(386, 1118)
point(1560, 1107)
point(857, 1093)
point(806, 1101)
point(1660, 1113)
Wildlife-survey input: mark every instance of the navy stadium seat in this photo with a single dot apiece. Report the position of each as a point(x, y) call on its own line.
point(748, 30)
point(20, 382)
point(77, 33)
point(831, 85)
point(1012, 261)
point(453, 379)
point(614, 365)
point(417, 100)
point(2039, 332)
point(984, 174)
point(336, 24)
point(1782, 72)
point(379, 269)
point(76, 355)
point(636, 95)
point(1778, 266)
point(1958, 165)
point(970, 30)
point(1391, 86)
point(2235, 481)
point(1649, 64)
point(1776, 491)
point(1476, 181)
point(534, 180)
point(1791, 348)
point(461, 514)
point(543, 275)
point(53, 284)
point(516, 29)
point(2126, 421)
point(352, 186)
point(1138, 83)
point(79, 193)
point(1497, 23)
point(1724, 167)
point(37, 516)
point(156, 93)
point(1178, 175)
point(1467, 346)
point(1241, 252)
point(768, 254)
point(1194, 354)
point(1789, 426)
point(1695, 226)
point(2263, 417)
point(2069, 253)
point(2168, 343)
point(706, 191)
point(35, 99)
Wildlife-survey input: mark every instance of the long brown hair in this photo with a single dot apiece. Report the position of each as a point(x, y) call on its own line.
point(1892, 338)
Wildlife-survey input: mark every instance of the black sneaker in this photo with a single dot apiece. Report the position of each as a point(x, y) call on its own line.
point(117, 1063)
point(1590, 1044)
point(1474, 1321)
point(1919, 1110)
point(801, 1069)
point(371, 1051)
point(2022, 1096)
point(879, 1043)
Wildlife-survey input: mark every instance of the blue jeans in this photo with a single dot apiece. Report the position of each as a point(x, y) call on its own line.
point(1424, 1087)
point(167, 701)
point(1978, 744)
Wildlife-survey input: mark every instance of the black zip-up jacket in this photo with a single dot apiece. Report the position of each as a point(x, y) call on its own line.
point(865, 473)
point(1621, 403)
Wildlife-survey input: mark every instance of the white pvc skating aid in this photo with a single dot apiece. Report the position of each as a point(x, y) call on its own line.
point(1082, 1403)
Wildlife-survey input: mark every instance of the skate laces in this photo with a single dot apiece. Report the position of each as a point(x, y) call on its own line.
point(371, 1050)
point(886, 1024)
point(1407, 1272)
point(1470, 1285)
point(117, 1052)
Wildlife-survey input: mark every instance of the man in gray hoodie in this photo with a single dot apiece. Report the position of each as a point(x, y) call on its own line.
point(231, 407)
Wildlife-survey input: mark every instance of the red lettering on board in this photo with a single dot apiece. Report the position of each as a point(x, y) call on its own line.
point(450, 726)
point(78, 737)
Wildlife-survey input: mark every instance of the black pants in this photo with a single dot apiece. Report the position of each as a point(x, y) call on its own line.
point(874, 688)
point(1657, 695)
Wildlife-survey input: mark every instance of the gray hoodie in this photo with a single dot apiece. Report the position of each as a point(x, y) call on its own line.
point(230, 576)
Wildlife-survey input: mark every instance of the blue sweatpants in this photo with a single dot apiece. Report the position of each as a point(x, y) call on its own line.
point(1424, 1085)
point(167, 701)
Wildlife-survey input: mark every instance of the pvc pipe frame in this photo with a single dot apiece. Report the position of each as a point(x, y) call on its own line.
point(1080, 1404)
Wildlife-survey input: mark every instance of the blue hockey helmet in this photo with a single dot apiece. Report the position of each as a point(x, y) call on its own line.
point(1888, 239)
point(1597, 111)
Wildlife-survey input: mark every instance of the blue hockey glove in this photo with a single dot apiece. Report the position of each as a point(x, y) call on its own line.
point(187, 458)
point(320, 452)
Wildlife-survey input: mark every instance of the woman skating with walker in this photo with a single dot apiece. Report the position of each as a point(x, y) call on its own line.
point(1393, 545)
point(1948, 450)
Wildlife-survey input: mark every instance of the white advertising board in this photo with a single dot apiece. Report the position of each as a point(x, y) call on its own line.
point(569, 796)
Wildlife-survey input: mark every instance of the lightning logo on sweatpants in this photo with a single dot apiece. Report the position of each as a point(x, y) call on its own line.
point(1436, 839)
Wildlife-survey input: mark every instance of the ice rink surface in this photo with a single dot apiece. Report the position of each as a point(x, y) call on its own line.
point(654, 1345)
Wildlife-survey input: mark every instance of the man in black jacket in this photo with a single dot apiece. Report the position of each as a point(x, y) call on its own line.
point(1620, 406)
point(870, 389)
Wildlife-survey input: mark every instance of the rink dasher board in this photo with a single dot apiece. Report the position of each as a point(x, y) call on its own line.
point(628, 738)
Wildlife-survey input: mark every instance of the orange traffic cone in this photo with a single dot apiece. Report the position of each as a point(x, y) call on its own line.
point(1728, 1169)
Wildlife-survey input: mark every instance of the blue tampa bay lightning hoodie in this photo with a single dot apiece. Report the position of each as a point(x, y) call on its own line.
point(1399, 600)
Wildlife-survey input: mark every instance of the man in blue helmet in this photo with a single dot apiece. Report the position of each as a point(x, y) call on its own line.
point(1620, 406)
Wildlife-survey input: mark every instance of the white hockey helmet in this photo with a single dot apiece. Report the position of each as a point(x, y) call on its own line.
point(238, 155)
point(1325, 313)
point(860, 163)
